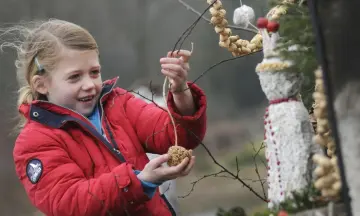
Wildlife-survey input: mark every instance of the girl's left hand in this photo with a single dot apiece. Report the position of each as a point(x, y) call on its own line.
point(176, 67)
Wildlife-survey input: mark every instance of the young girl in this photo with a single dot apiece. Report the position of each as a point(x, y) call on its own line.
point(83, 143)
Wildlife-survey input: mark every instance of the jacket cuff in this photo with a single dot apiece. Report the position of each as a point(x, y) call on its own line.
point(199, 98)
point(133, 191)
point(148, 187)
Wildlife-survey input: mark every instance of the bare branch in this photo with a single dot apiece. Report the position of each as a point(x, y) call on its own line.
point(256, 166)
point(237, 166)
point(215, 175)
point(190, 28)
point(223, 168)
point(197, 181)
point(168, 188)
point(219, 63)
point(189, 7)
point(153, 135)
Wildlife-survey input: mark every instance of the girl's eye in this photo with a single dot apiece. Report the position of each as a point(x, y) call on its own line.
point(95, 72)
point(74, 77)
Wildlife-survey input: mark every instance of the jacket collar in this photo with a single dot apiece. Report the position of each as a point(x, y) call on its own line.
point(55, 116)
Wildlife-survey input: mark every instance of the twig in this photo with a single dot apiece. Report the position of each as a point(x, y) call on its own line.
point(219, 63)
point(146, 98)
point(190, 28)
point(237, 166)
point(168, 188)
point(153, 136)
point(218, 176)
point(224, 169)
point(262, 147)
point(256, 166)
point(208, 20)
point(197, 181)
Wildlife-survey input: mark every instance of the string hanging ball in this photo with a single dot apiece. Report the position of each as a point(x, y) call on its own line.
point(176, 153)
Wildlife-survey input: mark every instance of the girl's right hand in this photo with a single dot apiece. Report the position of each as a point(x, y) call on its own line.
point(155, 173)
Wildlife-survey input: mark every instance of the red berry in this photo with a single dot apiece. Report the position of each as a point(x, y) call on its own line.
point(282, 213)
point(262, 22)
point(272, 26)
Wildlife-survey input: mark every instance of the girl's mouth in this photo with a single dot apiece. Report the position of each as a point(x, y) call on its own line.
point(87, 98)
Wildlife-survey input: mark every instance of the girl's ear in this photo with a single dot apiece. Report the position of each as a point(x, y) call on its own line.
point(39, 84)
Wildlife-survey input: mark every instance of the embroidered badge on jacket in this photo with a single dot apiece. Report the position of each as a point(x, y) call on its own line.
point(34, 170)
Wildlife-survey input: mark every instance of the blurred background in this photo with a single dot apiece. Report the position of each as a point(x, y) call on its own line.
point(133, 35)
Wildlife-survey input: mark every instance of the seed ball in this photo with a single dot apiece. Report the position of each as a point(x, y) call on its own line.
point(178, 154)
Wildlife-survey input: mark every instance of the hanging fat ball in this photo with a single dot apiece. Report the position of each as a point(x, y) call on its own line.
point(233, 43)
point(243, 16)
point(178, 154)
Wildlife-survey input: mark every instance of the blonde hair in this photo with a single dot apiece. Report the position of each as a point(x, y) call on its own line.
point(42, 41)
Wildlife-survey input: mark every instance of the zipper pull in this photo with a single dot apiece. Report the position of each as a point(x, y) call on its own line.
point(117, 151)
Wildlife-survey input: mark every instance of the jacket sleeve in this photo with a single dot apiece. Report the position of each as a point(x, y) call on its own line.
point(154, 128)
point(62, 189)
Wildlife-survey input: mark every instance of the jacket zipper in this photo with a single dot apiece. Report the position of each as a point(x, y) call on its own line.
point(115, 147)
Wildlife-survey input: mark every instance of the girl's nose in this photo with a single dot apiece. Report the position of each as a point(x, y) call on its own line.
point(88, 84)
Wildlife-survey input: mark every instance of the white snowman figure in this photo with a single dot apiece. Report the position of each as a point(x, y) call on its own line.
point(288, 129)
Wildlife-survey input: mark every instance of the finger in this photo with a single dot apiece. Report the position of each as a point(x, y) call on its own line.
point(186, 67)
point(169, 60)
point(176, 170)
point(174, 67)
point(185, 54)
point(158, 161)
point(177, 83)
point(165, 173)
point(178, 72)
point(181, 167)
point(173, 75)
point(190, 152)
point(189, 167)
point(178, 53)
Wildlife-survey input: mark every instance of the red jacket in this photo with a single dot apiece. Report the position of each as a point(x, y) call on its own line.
point(82, 173)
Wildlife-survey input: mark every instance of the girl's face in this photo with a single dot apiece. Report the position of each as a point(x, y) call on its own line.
point(75, 82)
